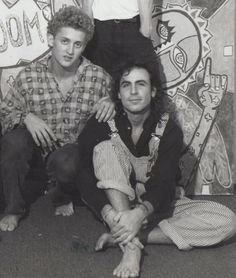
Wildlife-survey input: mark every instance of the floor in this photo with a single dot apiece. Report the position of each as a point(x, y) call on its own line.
point(48, 246)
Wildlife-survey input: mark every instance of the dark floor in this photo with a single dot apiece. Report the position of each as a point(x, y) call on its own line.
point(46, 246)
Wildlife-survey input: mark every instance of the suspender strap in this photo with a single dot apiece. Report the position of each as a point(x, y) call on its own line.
point(155, 141)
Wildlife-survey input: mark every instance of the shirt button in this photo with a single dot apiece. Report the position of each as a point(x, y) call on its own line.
point(129, 128)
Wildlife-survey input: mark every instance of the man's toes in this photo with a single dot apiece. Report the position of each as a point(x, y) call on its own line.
point(3, 227)
point(102, 241)
point(65, 210)
point(117, 271)
point(99, 245)
point(11, 227)
point(125, 273)
point(134, 273)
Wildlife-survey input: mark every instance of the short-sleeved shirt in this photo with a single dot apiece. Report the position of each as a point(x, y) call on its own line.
point(115, 9)
point(35, 90)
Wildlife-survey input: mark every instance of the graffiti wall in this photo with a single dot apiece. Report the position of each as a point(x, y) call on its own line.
point(193, 41)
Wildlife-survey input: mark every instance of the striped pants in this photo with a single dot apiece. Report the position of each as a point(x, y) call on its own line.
point(189, 223)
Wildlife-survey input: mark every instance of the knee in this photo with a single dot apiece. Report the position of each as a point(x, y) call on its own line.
point(231, 224)
point(226, 219)
point(15, 143)
point(64, 166)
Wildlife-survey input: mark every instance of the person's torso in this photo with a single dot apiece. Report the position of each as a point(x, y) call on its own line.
point(115, 9)
point(143, 159)
point(65, 113)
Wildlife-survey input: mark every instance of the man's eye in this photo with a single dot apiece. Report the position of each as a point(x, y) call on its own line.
point(141, 83)
point(124, 85)
point(78, 45)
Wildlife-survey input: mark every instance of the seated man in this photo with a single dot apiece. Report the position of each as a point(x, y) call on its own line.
point(46, 109)
point(133, 159)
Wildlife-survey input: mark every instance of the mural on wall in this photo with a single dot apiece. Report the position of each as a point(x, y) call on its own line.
point(186, 41)
point(23, 30)
point(198, 67)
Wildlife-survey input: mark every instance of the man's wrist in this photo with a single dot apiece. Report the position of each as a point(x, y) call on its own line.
point(146, 208)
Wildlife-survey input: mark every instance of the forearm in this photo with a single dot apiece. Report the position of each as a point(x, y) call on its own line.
point(11, 118)
point(145, 13)
point(13, 109)
point(147, 209)
point(87, 7)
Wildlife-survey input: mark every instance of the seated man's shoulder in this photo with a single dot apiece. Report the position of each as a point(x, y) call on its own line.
point(95, 69)
point(173, 127)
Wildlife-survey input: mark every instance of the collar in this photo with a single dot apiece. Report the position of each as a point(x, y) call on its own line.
point(46, 63)
point(148, 124)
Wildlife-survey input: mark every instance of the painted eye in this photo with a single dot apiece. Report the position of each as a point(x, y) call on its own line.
point(180, 58)
point(164, 31)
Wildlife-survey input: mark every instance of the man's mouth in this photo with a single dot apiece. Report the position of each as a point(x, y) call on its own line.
point(135, 100)
point(68, 58)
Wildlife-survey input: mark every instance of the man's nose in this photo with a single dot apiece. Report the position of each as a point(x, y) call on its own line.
point(134, 90)
point(70, 48)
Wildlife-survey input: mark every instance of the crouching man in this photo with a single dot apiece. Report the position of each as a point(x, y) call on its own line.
point(45, 111)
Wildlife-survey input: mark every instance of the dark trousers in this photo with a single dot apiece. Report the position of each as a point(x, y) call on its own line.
point(114, 42)
point(20, 157)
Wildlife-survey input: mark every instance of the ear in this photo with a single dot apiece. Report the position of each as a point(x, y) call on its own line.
point(154, 91)
point(50, 39)
point(119, 95)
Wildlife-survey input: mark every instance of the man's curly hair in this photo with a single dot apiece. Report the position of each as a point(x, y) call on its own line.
point(71, 16)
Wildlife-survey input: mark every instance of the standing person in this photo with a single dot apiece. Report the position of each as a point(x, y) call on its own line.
point(133, 159)
point(122, 31)
point(46, 109)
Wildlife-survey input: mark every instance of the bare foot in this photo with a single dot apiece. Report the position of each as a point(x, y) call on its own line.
point(9, 222)
point(65, 210)
point(105, 240)
point(130, 263)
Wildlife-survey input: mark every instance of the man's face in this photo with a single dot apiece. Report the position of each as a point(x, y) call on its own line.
point(136, 91)
point(67, 46)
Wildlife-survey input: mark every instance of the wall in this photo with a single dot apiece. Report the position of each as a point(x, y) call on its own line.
point(194, 40)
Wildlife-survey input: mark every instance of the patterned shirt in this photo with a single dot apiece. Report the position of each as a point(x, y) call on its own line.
point(35, 90)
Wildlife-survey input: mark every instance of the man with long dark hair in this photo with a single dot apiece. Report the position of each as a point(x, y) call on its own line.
point(130, 171)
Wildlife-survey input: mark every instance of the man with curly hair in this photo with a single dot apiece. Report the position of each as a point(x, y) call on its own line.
point(45, 111)
point(130, 172)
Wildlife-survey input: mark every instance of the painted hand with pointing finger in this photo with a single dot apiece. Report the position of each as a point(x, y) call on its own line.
point(215, 85)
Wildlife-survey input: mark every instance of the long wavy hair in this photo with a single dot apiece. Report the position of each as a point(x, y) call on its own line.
point(159, 104)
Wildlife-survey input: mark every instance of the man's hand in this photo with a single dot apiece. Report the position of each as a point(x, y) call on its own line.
point(41, 133)
point(146, 30)
point(129, 224)
point(104, 109)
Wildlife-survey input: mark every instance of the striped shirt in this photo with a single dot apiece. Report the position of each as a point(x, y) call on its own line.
point(35, 90)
